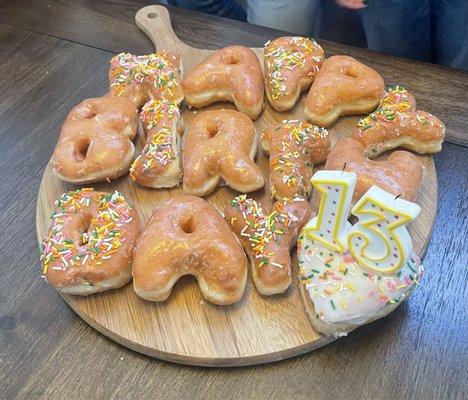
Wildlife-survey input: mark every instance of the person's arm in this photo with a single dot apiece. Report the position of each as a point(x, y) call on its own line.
point(352, 4)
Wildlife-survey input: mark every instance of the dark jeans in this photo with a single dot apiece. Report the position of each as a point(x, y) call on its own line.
point(225, 8)
point(426, 30)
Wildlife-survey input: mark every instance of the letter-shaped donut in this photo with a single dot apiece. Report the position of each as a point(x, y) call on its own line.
point(294, 148)
point(141, 78)
point(159, 163)
point(343, 86)
point(400, 174)
point(291, 63)
point(397, 123)
point(220, 144)
point(95, 143)
point(89, 246)
point(231, 74)
point(268, 239)
point(188, 236)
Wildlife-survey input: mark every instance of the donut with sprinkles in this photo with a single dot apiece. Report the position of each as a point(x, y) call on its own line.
point(291, 63)
point(339, 295)
point(294, 148)
point(89, 245)
point(397, 123)
point(142, 78)
point(268, 238)
point(159, 164)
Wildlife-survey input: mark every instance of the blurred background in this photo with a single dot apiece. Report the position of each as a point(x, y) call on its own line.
point(427, 30)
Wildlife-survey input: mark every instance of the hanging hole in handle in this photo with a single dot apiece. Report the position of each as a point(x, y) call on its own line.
point(152, 15)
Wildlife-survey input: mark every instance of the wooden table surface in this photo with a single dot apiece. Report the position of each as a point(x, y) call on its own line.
point(54, 54)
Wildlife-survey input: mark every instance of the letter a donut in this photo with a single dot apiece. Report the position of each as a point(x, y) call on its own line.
point(188, 236)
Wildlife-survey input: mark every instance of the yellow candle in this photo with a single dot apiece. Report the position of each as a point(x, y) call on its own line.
point(379, 241)
point(330, 226)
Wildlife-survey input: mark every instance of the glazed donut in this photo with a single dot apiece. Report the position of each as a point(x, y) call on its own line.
point(397, 123)
point(343, 86)
point(188, 236)
point(268, 239)
point(294, 148)
point(158, 166)
point(230, 74)
point(89, 246)
point(95, 143)
point(141, 78)
point(339, 295)
point(220, 144)
point(400, 174)
point(291, 63)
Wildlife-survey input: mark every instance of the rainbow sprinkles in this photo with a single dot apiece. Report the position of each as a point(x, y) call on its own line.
point(392, 107)
point(155, 69)
point(341, 294)
point(161, 149)
point(280, 58)
point(108, 213)
point(289, 157)
point(261, 228)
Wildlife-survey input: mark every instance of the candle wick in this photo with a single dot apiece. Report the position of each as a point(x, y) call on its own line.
point(396, 197)
point(344, 166)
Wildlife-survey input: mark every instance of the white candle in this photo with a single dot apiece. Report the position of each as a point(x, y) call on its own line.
point(330, 226)
point(380, 241)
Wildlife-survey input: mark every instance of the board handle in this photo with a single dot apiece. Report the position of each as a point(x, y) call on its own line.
point(155, 22)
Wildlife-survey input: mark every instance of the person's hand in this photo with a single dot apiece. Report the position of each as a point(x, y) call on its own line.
point(352, 4)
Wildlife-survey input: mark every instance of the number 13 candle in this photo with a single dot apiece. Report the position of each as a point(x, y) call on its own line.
point(379, 241)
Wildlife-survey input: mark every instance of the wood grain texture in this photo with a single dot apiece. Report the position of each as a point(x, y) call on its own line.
point(47, 352)
point(110, 26)
point(256, 330)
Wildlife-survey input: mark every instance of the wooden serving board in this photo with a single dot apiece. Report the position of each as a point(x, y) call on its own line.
point(185, 328)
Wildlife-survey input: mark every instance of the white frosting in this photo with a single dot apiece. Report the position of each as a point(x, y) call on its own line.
point(344, 293)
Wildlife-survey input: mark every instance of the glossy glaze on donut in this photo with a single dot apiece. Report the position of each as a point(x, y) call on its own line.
point(89, 246)
point(291, 64)
point(142, 78)
point(159, 163)
point(268, 238)
point(400, 174)
point(343, 86)
point(231, 74)
point(188, 236)
point(294, 148)
point(95, 143)
point(220, 144)
point(397, 123)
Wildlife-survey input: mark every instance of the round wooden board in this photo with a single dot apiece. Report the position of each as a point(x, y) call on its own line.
point(185, 328)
